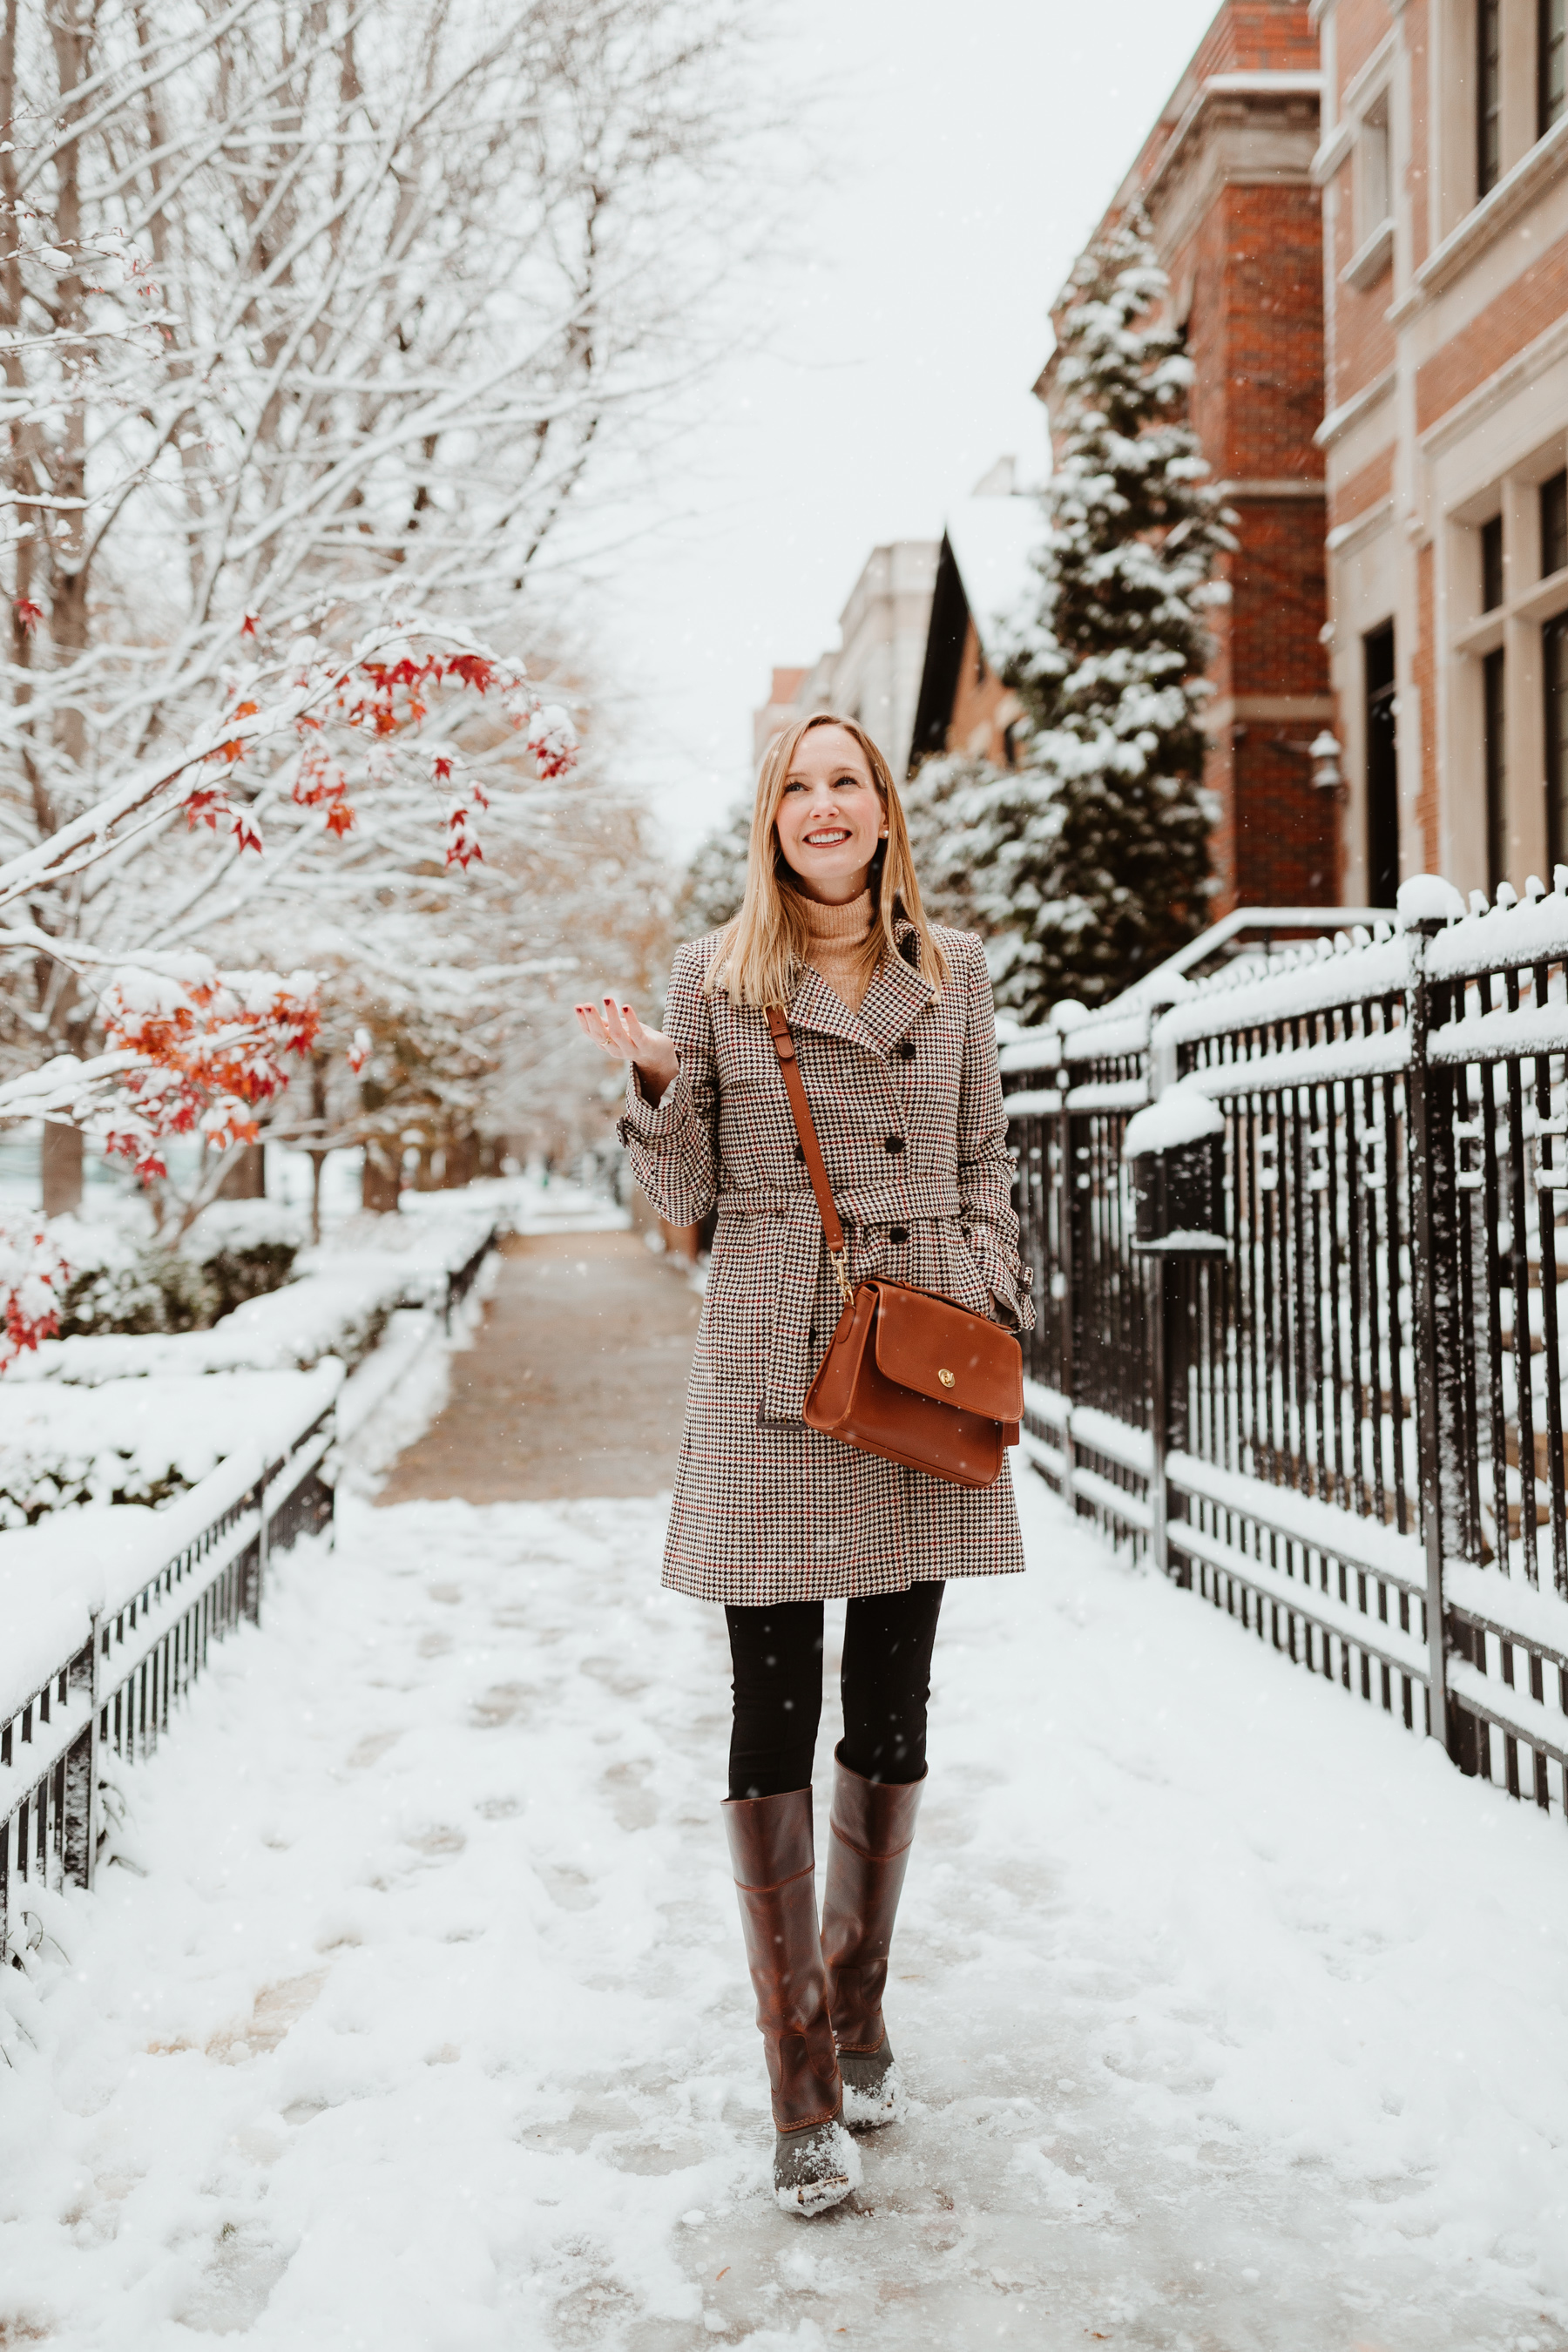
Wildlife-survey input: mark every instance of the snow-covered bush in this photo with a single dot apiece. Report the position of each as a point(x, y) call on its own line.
point(34, 1484)
point(128, 1441)
point(125, 1279)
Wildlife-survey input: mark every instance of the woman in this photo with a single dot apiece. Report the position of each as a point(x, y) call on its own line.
point(895, 1035)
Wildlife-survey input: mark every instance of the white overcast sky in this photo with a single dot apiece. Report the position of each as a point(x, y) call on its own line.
point(973, 145)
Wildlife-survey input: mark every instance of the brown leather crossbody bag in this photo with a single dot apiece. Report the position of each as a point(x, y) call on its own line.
point(907, 1375)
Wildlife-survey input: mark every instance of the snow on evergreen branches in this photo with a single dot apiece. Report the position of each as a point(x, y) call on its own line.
point(715, 880)
point(1090, 863)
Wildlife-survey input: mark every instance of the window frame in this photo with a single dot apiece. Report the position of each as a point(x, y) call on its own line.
point(1380, 702)
point(1554, 689)
point(1552, 500)
point(1489, 72)
point(1551, 48)
point(1494, 763)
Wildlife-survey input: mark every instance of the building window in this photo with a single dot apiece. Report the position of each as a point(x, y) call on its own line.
point(1491, 565)
point(1550, 63)
point(1495, 760)
point(1488, 95)
point(1382, 770)
point(1554, 525)
point(1376, 179)
point(1555, 665)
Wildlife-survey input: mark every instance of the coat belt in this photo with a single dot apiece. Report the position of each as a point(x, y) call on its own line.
point(912, 1202)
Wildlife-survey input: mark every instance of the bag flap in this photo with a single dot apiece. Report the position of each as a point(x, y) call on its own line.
point(945, 1352)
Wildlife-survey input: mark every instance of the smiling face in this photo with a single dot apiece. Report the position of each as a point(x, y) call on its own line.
point(830, 816)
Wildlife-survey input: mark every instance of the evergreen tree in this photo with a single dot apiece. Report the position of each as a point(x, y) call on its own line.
point(1093, 855)
point(715, 881)
point(944, 801)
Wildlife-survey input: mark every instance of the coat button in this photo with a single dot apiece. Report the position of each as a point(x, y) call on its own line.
point(897, 1233)
point(907, 1050)
point(895, 1143)
point(800, 1151)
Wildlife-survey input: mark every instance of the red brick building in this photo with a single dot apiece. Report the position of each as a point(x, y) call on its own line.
point(1443, 168)
point(1226, 176)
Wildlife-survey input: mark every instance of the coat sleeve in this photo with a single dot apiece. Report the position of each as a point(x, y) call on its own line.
point(673, 1146)
point(984, 1162)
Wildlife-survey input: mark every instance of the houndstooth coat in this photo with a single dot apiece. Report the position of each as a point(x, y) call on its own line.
point(907, 1098)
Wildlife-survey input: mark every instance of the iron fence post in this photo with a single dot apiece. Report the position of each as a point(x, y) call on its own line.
point(251, 1601)
point(1433, 1282)
point(94, 1766)
point(1166, 1314)
point(1069, 1300)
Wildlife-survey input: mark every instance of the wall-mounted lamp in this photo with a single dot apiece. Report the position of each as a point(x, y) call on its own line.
point(1324, 753)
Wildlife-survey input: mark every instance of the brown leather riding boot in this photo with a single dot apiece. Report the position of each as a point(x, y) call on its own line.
point(773, 1859)
point(873, 1827)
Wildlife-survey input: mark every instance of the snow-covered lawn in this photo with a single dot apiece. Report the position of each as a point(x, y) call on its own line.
point(1235, 2017)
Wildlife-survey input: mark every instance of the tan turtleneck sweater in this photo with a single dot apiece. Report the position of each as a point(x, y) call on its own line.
point(837, 952)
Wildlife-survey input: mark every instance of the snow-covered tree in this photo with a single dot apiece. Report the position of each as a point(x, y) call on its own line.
point(944, 801)
point(1092, 855)
point(312, 320)
point(446, 1023)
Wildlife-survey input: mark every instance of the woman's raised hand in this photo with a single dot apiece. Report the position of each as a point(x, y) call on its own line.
point(616, 1031)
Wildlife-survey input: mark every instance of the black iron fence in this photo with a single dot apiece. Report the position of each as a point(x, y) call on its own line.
point(190, 1575)
point(189, 1579)
point(461, 1280)
point(1340, 1420)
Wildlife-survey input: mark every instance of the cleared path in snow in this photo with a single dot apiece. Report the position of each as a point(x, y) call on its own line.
point(575, 1383)
point(1235, 2019)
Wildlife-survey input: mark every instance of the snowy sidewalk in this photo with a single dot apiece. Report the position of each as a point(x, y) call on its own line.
point(1235, 2018)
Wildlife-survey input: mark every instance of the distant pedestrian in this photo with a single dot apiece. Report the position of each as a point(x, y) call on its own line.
point(895, 1036)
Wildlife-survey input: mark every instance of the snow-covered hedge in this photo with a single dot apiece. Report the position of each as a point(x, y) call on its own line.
point(347, 1286)
point(125, 1279)
point(138, 1418)
point(142, 1441)
point(53, 1575)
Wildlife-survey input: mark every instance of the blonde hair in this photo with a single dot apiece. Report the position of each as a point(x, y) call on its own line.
point(761, 950)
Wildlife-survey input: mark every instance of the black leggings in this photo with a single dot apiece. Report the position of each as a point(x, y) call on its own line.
point(886, 1684)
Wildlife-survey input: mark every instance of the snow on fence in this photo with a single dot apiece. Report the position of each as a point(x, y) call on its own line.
point(1339, 1420)
point(109, 1613)
point(104, 1635)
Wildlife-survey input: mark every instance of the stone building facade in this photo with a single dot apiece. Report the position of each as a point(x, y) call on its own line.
point(874, 672)
point(1225, 177)
point(1444, 171)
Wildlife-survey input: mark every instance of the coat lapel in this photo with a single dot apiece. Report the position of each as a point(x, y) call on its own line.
point(897, 994)
point(814, 1005)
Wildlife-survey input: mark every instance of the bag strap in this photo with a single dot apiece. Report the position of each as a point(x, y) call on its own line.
point(805, 1127)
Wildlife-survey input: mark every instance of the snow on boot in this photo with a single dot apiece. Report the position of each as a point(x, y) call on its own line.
point(873, 1827)
point(814, 2167)
point(773, 1859)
